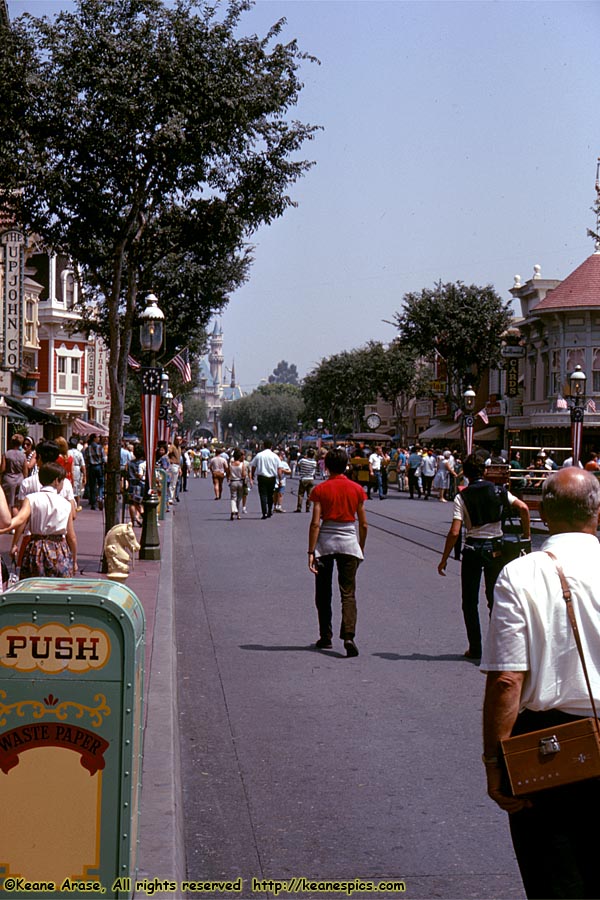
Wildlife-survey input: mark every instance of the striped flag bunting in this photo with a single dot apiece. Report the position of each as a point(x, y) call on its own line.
point(182, 361)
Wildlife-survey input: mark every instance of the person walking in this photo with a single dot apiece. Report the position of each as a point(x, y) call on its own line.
point(413, 466)
point(237, 476)
point(218, 470)
point(375, 464)
point(94, 464)
point(480, 507)
point(337, 504)
point(136, 476)
point(307, 470)
point(78, 471)
point(281, 483)
point(14, 470)
point(535, 680)
point(428, 470)
point(266, 467)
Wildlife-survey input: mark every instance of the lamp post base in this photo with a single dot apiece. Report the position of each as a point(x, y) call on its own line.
point(149, 541)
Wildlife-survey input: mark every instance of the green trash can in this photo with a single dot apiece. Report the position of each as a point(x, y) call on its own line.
point(71, 702)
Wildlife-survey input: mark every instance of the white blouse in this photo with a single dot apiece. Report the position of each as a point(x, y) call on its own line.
point(49, 512)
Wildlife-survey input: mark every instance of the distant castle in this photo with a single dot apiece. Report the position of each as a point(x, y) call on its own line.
point(212, 386)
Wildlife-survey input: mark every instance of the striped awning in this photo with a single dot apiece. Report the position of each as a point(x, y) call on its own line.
point(82, 428)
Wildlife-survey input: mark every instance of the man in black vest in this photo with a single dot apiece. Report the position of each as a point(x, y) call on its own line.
point(480, 509)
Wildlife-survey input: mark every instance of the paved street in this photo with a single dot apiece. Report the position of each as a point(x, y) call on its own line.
point(304, 763)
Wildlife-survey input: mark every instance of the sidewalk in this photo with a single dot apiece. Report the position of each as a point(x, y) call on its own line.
point(160, 847)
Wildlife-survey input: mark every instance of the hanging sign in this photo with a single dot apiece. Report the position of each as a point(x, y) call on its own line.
point(11, 308)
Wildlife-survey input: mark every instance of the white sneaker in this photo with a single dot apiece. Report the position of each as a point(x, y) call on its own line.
point(244, 510)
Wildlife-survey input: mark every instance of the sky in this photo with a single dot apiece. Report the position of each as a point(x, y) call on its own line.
point(459, 141)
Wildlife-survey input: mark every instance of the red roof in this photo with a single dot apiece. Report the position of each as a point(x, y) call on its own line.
point(579, 289)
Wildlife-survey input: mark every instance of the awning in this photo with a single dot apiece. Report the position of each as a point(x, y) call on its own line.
point(81, 427)
point(12, 415)
point(449, 430)
point(488, 434)
point(31, 413)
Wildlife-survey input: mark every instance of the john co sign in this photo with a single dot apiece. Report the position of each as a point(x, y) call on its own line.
point(11, 307)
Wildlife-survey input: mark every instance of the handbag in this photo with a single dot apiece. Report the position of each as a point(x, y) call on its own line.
point(563, 754)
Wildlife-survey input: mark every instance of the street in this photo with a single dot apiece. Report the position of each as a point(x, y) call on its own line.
point(303, 763)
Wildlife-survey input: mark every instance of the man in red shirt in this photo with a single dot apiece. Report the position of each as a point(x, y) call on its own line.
point(337, 503)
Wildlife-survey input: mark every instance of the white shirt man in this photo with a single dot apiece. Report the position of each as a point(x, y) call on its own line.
point(266, 465)
point(535, 680)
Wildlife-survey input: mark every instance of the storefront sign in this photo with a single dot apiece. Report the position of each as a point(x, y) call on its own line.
point(98, 387)
point(11, 308)
point(512, 377)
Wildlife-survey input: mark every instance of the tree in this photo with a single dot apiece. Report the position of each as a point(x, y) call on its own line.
point(194, 410)
point(461, 323)
point(275, 409)
point(338, 389)
point(152, 141)
point(284, 373)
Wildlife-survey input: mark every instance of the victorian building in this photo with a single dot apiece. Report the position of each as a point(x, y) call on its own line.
point(560, 329)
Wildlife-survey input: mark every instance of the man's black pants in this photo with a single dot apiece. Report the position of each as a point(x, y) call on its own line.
point(479, 556)
point(266, 487)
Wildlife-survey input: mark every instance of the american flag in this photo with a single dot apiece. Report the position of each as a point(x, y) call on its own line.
point(182, 361)
point(457, 415)
point(483, 416)
point(561, 403)
point(178, 408)
point(591, 406)
point(133, 363)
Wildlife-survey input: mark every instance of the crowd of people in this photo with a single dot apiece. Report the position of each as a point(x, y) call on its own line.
point(533, 672)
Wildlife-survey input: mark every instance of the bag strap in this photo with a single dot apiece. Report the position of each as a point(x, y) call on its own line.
point(566, 592)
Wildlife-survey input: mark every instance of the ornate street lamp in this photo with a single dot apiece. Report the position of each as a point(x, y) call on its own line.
point(577, 381)
point(320, 432)
point(151, 338)
point(300, 433)
point(469, 418)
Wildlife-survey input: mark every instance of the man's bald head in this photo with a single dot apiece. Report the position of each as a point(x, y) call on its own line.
point(571, 500)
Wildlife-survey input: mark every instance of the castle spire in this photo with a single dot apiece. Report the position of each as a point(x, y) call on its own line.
point(233, 374)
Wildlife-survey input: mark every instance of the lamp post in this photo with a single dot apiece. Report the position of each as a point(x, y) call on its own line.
point(577, 380)
point(469, 418)
point(230, 431)
point(300, 434)
point(151, 338)
point(320, 432)
point(254, 430)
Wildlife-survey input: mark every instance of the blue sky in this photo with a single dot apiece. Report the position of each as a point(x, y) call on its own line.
point(459, 141)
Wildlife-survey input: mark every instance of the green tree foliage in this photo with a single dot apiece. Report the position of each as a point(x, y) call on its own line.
point(152, 141)
point(275, 409)
point(194, 410)
point(339, 388)
point(283, 373)
point(462, 323)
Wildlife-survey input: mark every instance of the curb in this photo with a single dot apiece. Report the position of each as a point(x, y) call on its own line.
point(161, 849)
